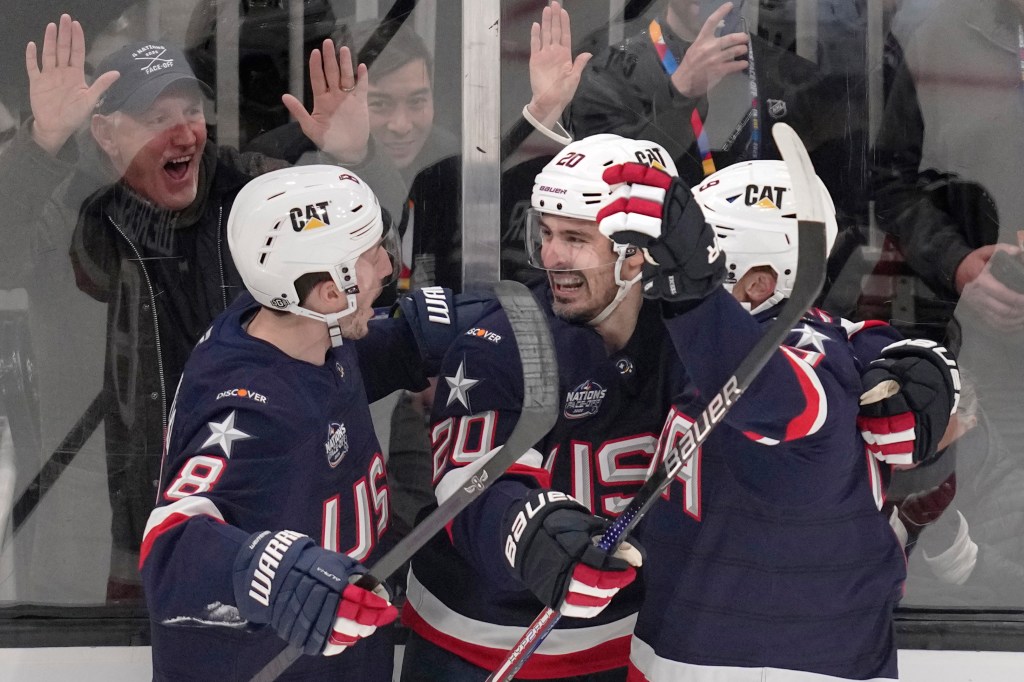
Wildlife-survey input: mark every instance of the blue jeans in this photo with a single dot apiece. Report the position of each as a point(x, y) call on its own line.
point(426, 662)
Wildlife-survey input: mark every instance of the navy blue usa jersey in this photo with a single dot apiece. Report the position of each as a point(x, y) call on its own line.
point(461, 595)
point(768, 553)
point(259, 440)
point(613, 406)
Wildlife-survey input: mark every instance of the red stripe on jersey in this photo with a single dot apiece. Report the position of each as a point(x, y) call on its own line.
point(606, 656)
point(154, 533)
point(820, 314)
point(542, 476)
point(808, 421)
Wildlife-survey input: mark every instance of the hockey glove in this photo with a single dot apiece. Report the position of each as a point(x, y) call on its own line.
point(657, 212)
point(905, 427)
point(305, 593)
point(550, 548)
point(437, 317)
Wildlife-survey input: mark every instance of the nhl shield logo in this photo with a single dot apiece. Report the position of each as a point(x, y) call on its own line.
point(337, 444)
point(777, 108)
point(584, 400)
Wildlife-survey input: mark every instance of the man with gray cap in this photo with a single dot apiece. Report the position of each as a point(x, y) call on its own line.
point(145, 221)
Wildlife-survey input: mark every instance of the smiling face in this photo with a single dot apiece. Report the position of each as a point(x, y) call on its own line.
point(401, 107)
point(580, 264)
point(157, 152)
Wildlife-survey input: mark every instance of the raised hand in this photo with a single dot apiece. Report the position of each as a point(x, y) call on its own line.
point(910, 392)
point(710, 58)
point(656, 212)
point(554, 74)
point(340, 121)
point(60, 98)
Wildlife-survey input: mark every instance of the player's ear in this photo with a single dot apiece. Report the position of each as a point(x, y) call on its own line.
point(326, 297)
point(766, 282)
point(756, 286)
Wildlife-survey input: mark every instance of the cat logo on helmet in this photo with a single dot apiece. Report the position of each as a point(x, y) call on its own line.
point(764, 197)
point(270, 258)
point(651, 156)
point(314, 216)
point(749, 208)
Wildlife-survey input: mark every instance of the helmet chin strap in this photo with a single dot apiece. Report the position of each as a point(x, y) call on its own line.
point(333, 321)
point(623, 284)
point(773, 300)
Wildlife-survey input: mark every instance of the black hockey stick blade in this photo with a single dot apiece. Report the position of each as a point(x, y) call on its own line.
point(538, 415)
point(810, 277)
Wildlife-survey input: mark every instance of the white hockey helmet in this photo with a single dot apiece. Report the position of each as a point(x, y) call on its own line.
point(572, 186)
point(751, 209)
point(301, 220)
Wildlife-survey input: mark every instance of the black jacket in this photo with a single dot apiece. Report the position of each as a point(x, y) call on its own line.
point(625, 90)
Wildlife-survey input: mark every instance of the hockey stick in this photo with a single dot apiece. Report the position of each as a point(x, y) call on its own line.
point(540, 410)
point(810, 276)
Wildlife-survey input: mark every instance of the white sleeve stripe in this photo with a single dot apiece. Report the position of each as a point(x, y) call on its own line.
point(818, 399)
point(851, 327)
point(194, 505)
point(455, 478)
point(765, 440)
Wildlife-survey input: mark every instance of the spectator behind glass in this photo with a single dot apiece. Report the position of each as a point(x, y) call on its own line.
point(400, 100)
point(676, 77)
point(143, 213)
point(947, 189)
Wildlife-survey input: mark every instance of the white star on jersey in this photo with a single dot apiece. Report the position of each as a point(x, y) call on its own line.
point(460, 385)
point(809, 336)
point(224, 434)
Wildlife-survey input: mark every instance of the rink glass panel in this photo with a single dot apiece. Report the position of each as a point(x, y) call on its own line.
point(59, 481)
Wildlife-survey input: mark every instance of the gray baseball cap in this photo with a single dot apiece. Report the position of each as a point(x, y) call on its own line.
point(147, 69)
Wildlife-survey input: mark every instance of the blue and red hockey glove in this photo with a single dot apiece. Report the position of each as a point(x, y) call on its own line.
point(305, 593)
point(656, 212)
point(550, 548)
point(909, 394)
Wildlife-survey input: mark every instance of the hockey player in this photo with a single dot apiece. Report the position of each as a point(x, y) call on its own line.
point(467, 604)
point(472, 593)
point(273, 490)
point(767, 557)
